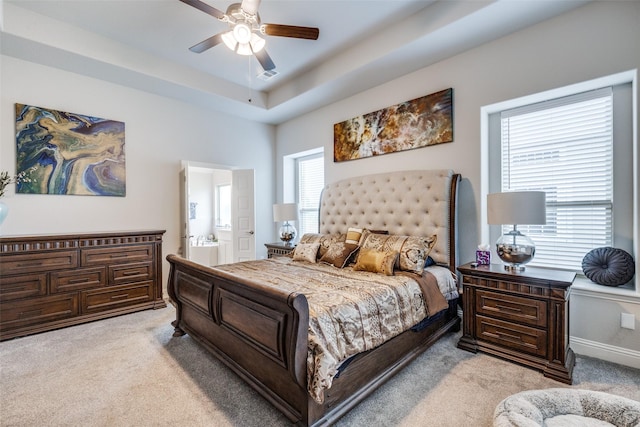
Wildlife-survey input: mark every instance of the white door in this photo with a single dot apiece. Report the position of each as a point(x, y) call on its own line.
point(184, 212)
point(243, 215)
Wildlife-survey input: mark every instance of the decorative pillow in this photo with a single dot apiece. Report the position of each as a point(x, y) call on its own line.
point(366, 232)
point(306, 252)
point(608, 266)
point(376, 261)
point(325, 240)
point(353, 235)
point(339, 254)
point(413, 250)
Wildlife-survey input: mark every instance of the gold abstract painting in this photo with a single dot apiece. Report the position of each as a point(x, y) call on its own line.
point(412, 124)
point(69, 153)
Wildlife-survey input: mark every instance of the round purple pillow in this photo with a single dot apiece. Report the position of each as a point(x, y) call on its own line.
point(608, 266)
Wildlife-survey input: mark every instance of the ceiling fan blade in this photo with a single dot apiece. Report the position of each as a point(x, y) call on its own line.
point(206, 44)
point(291, 31)
point(205, 8)
point(265, 60)
point(250, 6)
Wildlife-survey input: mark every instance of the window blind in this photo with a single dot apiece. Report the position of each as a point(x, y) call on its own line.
point(310, 178)
point(565, 148)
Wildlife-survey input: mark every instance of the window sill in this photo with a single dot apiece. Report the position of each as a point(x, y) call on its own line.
point(584, 286)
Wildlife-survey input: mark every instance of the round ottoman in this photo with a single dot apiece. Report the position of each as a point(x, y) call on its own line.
point(566, 407)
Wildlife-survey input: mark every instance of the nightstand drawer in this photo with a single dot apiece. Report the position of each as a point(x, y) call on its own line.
point(528, 311)
point(512, 336)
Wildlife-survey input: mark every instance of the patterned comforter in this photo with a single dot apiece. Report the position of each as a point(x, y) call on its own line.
point(350, 312)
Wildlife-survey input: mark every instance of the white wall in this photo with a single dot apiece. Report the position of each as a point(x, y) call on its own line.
point(595, 40)
point(160, 132)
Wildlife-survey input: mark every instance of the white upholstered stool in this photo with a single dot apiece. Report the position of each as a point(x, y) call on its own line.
point(566, 407)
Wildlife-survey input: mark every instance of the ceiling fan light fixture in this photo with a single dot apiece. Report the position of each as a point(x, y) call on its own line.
point(229, 40)
point(242, 33)
point(257, 43)
point(244, 49)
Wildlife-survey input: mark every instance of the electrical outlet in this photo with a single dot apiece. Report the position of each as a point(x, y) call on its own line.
point(627, 321)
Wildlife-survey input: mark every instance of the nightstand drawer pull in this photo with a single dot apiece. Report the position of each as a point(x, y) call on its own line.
point(509, 337)
point(504, 307)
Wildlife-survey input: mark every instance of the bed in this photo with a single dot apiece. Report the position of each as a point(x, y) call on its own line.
point(263, 325)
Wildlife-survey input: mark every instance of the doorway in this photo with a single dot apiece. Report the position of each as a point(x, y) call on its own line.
point(217, 213)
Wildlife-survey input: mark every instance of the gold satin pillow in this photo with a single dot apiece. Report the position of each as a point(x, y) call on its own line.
point(353, 235)
point(413, 250)
point(376, 261)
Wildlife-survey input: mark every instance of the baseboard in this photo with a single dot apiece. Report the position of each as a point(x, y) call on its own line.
point(610, 353)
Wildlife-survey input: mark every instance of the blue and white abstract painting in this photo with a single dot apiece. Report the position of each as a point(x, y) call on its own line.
point(73, 153)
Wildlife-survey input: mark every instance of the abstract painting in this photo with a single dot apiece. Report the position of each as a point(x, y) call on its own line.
point(72, 153)
point(412, 124)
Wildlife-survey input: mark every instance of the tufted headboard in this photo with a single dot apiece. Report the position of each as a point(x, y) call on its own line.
point(413, 203)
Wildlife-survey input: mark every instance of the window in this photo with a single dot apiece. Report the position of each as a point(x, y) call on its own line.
point(223, 205)
point(565, 147)
point(309, 183)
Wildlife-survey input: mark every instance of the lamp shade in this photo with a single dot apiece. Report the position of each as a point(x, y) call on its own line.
point(517, 207)
point(285, 212)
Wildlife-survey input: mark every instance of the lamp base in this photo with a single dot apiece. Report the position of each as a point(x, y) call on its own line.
point(515, 249)
point(287, 233)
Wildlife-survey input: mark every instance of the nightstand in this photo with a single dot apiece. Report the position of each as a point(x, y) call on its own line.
point(520, 316)
point(279, 249)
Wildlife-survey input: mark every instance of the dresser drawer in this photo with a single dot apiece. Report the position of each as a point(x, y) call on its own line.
point(116, 255)
point(23, 286)
point(44, 261)
point(75, 280)
point(130, 273)
point(37, 310)
point(512, 336)
point(112, 298)
point(528, 311)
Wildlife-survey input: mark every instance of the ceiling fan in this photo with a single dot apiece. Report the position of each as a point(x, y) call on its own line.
point(245, 28)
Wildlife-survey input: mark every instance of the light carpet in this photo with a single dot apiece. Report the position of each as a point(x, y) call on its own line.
point(130, 371)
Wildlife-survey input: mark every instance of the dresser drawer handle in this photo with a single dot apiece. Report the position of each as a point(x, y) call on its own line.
point(504, 307)
point(14, 288)
point(121, 296)
point(130, 273)
point(509, 337)
point(30, 264)
point(30, 313)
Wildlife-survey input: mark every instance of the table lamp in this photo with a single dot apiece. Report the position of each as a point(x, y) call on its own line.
point(516, 207)
point(286, 212)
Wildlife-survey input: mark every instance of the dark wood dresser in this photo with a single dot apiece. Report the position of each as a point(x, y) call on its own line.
point(523, 316)
point(52, 281)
